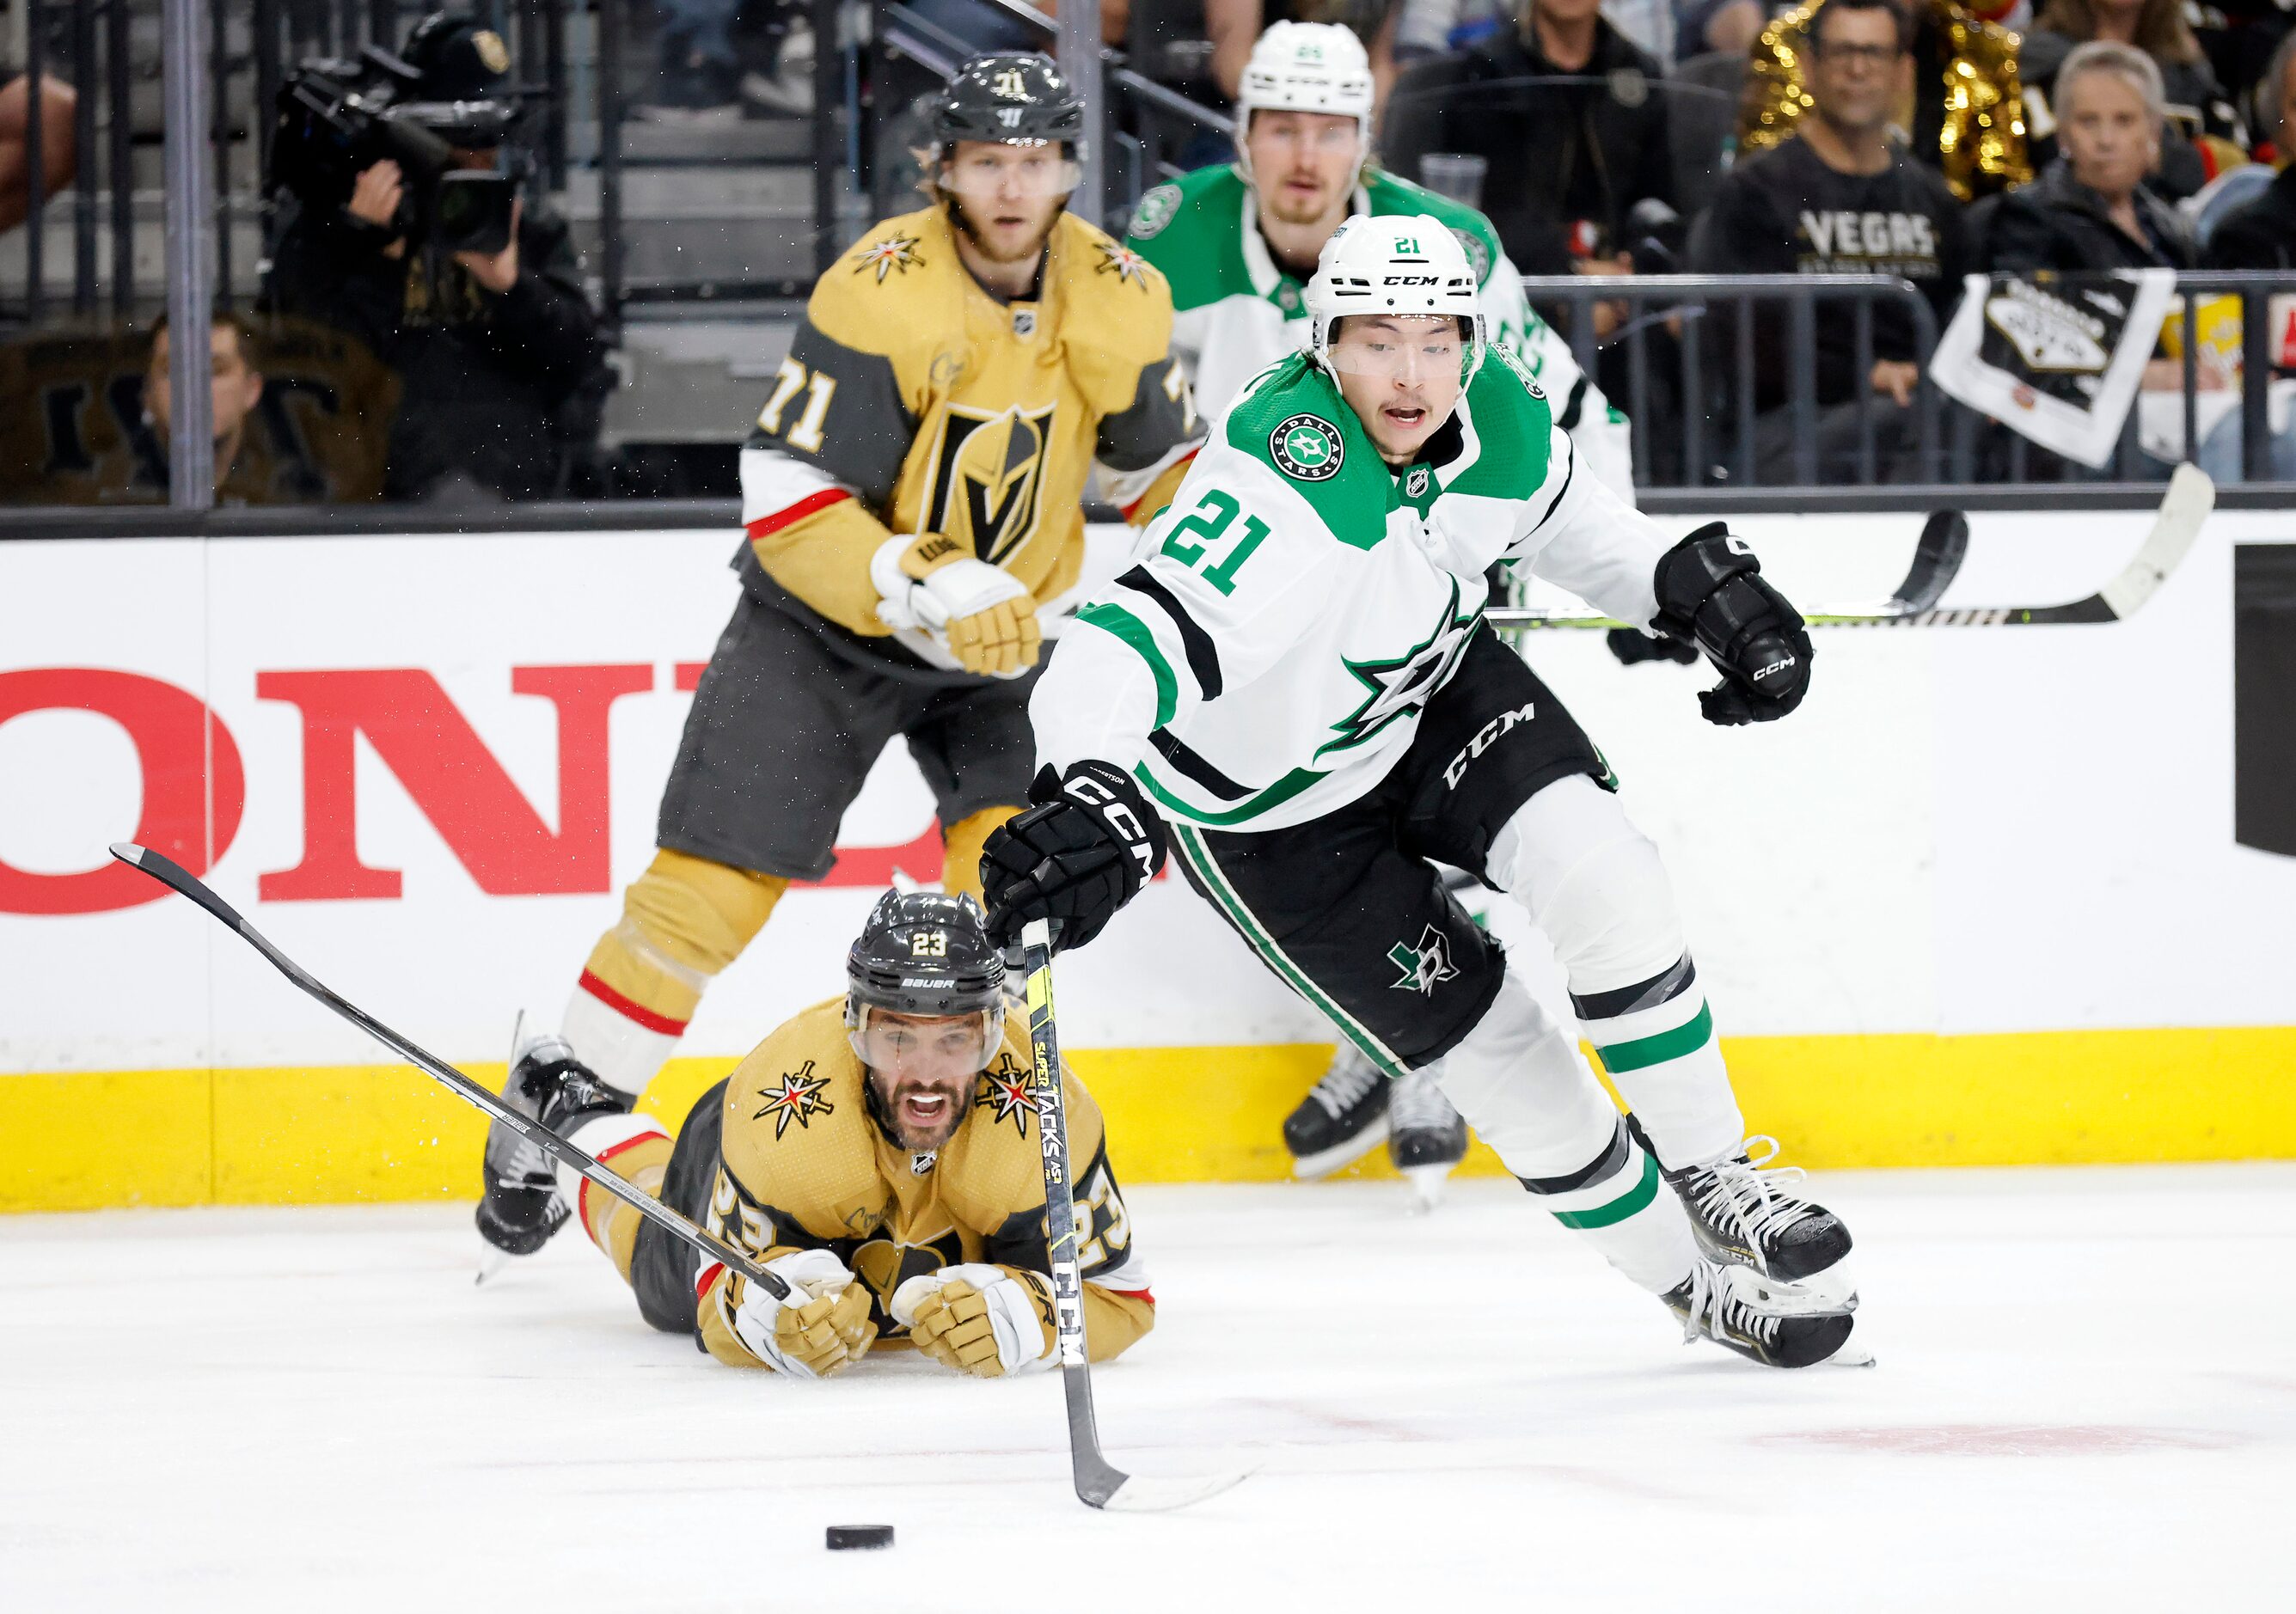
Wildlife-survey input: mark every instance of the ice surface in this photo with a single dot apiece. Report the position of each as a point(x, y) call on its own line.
point(2086, 1399)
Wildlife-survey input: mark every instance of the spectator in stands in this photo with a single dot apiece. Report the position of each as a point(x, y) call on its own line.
point(2091, 210)
point(1963, 102)
point(235, 388)
point(1446, 28)
point(57, 153)
point(499, 354)
point(1838, 196)
point(1235, 26)
point(1571, 152)
point(2261, 235)
point(2194, 104)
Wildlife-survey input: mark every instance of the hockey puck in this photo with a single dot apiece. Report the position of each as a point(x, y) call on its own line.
point(859, 1537)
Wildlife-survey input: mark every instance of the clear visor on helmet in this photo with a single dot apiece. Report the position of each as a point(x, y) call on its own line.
point(1021, 171)
point(925, 1047)
point(1401, 347)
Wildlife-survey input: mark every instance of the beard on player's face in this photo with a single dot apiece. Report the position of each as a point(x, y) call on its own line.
point(1005, 229)
point(921, 1112)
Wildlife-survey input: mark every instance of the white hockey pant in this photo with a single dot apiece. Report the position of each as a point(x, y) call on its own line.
point(1519, 1080)
point(1595, 885)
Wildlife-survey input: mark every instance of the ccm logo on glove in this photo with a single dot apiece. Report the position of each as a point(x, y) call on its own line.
point(1711, 593)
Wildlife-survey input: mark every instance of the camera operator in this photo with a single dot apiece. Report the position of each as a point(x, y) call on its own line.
point(498, 352)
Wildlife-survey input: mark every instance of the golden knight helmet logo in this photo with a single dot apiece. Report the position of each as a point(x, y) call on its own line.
point(988, 477)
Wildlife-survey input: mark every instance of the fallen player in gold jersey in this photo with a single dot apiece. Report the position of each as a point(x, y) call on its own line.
point(880, 1155)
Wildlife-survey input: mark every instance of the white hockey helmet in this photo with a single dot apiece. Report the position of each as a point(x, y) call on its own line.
point(1306, 66)
point(1396, 263)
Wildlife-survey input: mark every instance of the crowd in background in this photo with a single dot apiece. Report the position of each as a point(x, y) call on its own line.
point(1917, 138)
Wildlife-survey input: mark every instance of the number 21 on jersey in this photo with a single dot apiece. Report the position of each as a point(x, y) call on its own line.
point(1214, 514)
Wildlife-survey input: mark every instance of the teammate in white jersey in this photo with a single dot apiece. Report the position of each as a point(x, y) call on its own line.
point(1238, 241)
point(1294, 687)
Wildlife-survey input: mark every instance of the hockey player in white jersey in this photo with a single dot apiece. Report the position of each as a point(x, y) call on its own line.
point(1238, 241)
point(1293, 689)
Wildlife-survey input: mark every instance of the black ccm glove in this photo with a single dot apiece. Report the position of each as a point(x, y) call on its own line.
point(1075, 858)
point(1710, 593)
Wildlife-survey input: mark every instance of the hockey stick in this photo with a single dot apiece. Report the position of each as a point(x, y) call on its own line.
point(184, 883)
point(2191, 496)
point(1098, 1484)
point(1937, 559)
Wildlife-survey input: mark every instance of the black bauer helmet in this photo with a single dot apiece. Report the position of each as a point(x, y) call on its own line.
point(923, 953)
point(1010, 97)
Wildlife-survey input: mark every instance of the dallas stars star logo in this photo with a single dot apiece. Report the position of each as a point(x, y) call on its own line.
point(1123, 263)
point(1403, 686)
point(1422, 965)
point(797, 1099)
point(1008, 1086)
point(894, 252)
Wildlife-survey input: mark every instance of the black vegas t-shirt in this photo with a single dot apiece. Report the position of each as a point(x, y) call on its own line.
point(1785, 212)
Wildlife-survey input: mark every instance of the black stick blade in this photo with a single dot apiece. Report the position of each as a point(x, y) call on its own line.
point(178, 879)
point(1937, 559)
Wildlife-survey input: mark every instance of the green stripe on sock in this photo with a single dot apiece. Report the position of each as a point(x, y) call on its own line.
point(1618, 1209)
point(1657, 1050)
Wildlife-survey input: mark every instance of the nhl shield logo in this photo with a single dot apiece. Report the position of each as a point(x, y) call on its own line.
point(1414, 486)
point(1308, 448)
point(1424, 965)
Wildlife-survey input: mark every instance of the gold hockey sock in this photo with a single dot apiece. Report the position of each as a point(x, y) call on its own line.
point(961, 843)
point(637, 1148)
point(683, 920)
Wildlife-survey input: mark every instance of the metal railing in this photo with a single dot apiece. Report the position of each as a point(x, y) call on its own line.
point(1680, 305)
point(1704, 430)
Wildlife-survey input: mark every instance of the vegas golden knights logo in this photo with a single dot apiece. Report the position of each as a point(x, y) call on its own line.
point(988, 477)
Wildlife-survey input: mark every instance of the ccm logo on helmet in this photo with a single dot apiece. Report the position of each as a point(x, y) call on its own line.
point(1121, 817)
point(1413, 280)
point(1485, 738)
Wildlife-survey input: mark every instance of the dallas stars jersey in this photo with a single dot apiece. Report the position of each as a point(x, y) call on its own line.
point(912, 401)
point(1267, 659)
point(1236, 312)
point(803, 1167)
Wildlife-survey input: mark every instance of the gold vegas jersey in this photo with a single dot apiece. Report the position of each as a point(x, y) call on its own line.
point(803, 1167)
point(912, 401)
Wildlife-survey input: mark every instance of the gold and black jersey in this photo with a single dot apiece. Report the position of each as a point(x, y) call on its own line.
point(912, 401)
point(803, 1167)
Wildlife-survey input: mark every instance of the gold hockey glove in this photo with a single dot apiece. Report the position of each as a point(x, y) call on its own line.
point(977, 1319)
point(823, 1328)
point(931, 584)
